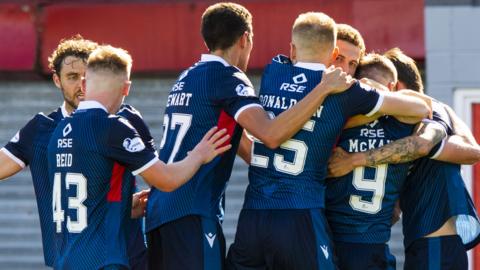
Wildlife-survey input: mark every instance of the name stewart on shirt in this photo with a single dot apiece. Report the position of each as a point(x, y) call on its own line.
point(178, 99)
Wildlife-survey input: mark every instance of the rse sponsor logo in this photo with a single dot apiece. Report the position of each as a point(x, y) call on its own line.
point(300, 78)
point(290, 87)
point(15, 138)
point(244, 90)
point(133, 145)
point(67, 130)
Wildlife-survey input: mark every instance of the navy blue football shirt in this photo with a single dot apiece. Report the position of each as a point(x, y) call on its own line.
point(434, 192)
point(359, 205)
point(292, 176)
point(210, 93)
point(88, 155)
point(29, 148)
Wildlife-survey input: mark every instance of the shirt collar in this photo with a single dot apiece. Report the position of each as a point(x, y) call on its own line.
point(311, 66)
point(211, 58)
point(91, 104)
point(64, 110)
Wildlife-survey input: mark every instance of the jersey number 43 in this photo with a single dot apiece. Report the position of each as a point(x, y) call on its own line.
point(79, 223)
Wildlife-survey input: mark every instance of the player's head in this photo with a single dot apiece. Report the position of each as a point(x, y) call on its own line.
point(351, 48)
point(107, 78)
point(408, 74)
point(378, 68)
point(68, 63)
point(313, 38)
point(228, 26)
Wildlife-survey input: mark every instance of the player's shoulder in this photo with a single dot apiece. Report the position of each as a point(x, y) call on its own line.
point(38, 120)
point(128, 110)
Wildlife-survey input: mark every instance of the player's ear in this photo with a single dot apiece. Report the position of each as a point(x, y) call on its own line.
point(244, 39)
point(293, 52)
point(391, 86)
point(335, 53)
point(84, 86)
point(126, 88)
point(56, 80)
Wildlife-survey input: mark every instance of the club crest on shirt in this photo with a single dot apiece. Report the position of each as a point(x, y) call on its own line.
point(244, 90)
point(133, 145)
point(15, 138)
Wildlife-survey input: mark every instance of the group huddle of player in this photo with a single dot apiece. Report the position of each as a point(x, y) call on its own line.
point(332, 159)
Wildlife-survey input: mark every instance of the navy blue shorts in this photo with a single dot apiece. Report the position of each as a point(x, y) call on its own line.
point(362, 256)
point(437, 253)
point(188, 243)
point(281, 239)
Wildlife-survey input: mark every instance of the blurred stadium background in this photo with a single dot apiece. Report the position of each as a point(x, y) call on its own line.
point(163, 38)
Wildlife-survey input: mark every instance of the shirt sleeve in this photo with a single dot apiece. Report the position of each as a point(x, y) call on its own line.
point(125, 145)
point(362, 99)
point(19, 148)
point(135, 118)
point(442, 120)
point(235, 93)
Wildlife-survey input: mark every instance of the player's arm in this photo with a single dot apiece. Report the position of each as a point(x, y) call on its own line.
point(273, 132)
point(245, 148)
point(427, 135)
point(401, 104)
point(8, 166)
point(168, 177)
point(460, 148)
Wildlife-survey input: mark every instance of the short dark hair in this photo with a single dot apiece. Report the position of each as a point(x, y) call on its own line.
point(407, 70)
point(351, 35)
point(75, 46)
point(377, 67)
point(223, 24)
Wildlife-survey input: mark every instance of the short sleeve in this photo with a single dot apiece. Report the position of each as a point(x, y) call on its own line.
point(125, 145)
point(19, 148)
point(135, 118)
point(362, 99)
point(441, 120)
point(235, 93)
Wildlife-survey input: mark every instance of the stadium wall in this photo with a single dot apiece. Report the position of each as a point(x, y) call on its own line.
point(452, 69)
point(164, 36)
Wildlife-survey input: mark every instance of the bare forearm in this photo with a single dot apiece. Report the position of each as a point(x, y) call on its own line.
point(457, 151)
point(8, 167)
point(169, 177)
point(406, 149)
point(460, 128)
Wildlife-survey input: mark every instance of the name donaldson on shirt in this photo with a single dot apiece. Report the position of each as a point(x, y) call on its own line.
point(375, 137)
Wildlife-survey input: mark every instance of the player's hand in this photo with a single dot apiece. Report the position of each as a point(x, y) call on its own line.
point(339, 163)
point(139, 203)
point(334, 80)
point(397, 213)
point(212, 145)
point(423, 97)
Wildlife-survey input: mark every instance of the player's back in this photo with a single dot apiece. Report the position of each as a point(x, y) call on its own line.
point(29, 146)
point(292, 176)
point(359, 205)
point(210, 93)
point(434, 191)
point(91, 196)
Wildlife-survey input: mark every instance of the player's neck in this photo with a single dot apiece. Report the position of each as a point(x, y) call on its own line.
point(230, 56)
point(307, 58)
point(111, 104)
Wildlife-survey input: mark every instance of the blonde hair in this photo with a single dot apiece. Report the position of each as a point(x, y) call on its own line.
point(314, 32)
point(108, 58)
